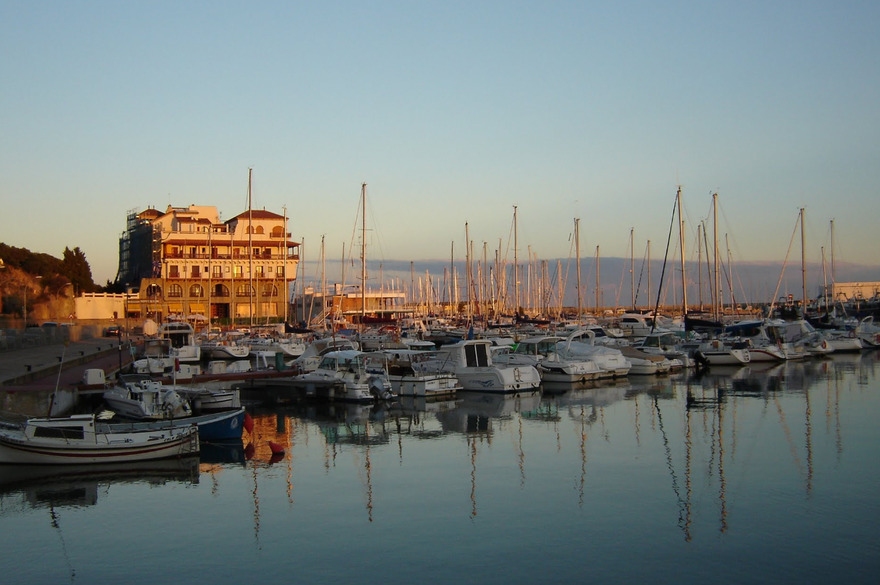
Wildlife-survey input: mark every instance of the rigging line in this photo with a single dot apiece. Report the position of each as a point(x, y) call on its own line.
point(782, 274)
point(663, 270)
point(641, 274)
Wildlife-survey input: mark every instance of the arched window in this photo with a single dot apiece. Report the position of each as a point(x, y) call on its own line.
point(154, 291)
point(260, 229)
point(197, 291)
point(244, 290)
point(270, 290)
point(175, 291)
point(221, 290)
point(277, 231)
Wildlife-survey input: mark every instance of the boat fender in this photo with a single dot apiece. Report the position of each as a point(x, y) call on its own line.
point(516, 374)
point(852, 334)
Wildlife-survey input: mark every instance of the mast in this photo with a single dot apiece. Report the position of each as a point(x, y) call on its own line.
point(684, 302)
point(250, 251)
point(699, 263)
point(717, 275)
point(467, 271)
point(632, 269)
point(597, 281)
point(286, 275)
point(363, 252)
point(803, 268)
point(577, 248)
point(832, 253)
point(515, 265)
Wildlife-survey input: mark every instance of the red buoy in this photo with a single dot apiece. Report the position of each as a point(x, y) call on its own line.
point(248, 423)
point(276, 448)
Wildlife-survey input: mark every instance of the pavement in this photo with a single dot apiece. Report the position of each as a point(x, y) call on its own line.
point(61, 365)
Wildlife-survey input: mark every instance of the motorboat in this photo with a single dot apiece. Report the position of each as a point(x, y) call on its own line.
point(181, 337)
point(79, 439)
point(141, 397)
point(347, 375)
point(471, 362)
point(407, 380)
point(580, 343)
point(556, 367)
point(715, 352)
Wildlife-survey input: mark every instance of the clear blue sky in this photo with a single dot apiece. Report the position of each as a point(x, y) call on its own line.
point(451, 112)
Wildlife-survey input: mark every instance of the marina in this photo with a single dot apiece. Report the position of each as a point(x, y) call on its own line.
point(751, 474)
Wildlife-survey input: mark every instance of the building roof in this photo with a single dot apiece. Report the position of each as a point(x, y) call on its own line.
point(256, 214)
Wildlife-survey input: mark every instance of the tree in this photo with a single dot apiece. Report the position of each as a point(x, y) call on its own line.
point(75, 266)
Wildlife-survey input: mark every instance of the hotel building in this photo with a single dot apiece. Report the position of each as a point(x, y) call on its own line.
point(186, 263)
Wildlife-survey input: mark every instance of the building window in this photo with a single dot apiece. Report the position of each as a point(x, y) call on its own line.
point(237, 272)
point(196, 291)
point(175, 291)
point(280, 272)
point(221, 290)
point(216, 271)
point(154, 291)
point(244, 290)
point(270, 290)
point(173, 271)
point(277, 231)
point(196, 271)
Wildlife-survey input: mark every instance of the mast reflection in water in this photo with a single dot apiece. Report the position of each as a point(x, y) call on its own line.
point(757, 474)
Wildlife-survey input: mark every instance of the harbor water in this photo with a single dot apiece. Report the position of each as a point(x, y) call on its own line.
point(759, 474)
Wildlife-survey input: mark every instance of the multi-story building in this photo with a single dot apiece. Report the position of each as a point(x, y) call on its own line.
point(186, 262)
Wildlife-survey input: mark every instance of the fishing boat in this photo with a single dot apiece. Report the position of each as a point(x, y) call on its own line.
point(77, 439)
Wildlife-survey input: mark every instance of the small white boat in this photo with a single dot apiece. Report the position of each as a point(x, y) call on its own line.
point(347, 375)
point(644, 363)
point(558, 368)
point(76, 439)
point(140, 397)
point(716, 353)
point(471, 362)
point(407, 381)
point(581, 344)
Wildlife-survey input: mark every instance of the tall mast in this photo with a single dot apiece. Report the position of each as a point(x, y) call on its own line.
point(577, 248)
point(597, 280)
point(250, 250)
point(286, 275)
point(515, 265)
point(832, 252)
point(717, 279)
point(684, 302)
point(803, 268)
point(363, 252)
point(632, 269)
point(467, 270)
point(699, 263)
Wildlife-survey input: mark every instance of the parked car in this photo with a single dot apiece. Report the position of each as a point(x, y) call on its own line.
point(113, 331)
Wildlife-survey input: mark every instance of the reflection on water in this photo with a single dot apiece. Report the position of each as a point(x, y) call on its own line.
point(762, 457)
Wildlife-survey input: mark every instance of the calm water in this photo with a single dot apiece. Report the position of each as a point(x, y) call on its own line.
point(771, 476)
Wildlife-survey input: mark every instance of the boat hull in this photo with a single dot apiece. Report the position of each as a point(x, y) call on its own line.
point(158, 445)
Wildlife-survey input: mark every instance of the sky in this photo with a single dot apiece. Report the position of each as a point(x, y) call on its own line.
point(453, 113)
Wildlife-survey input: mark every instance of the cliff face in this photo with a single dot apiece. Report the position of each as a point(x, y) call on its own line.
point(44, 299)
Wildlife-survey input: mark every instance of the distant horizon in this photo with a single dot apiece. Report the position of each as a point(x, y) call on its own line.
point(754, 282)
